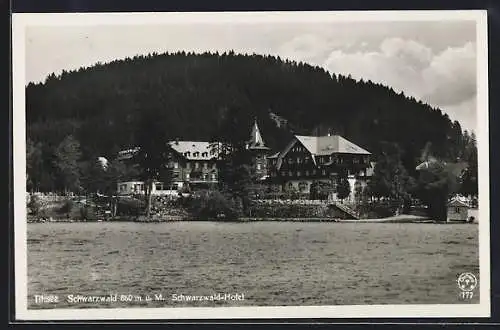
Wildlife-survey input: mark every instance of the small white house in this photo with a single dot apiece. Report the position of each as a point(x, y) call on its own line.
point(139, 187)
point(460, 210)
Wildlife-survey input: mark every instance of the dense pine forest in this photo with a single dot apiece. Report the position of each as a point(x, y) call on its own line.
point(96, 111)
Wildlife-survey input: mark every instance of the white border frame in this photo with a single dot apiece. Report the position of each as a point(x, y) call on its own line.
point(21, 21)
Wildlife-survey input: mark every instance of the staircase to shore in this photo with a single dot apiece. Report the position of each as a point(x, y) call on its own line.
point(346, 210)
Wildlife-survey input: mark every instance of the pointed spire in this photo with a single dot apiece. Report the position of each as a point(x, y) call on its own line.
point(256, 140)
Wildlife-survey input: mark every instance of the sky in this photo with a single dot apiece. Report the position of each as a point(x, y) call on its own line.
point(433, 61)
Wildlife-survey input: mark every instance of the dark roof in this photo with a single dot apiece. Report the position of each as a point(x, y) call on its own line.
point(275, 155)
point(195, 150)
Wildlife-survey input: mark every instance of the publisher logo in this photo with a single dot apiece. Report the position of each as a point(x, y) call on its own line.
point(467, 282)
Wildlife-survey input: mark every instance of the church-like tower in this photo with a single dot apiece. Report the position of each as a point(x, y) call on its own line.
point(259, 151)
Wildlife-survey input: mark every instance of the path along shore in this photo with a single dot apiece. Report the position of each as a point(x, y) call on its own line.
point(403, 218)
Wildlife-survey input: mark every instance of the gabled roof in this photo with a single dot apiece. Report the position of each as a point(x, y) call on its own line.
point(275, 155)
point(326, 145)
point(194, 150)
point(457, 203)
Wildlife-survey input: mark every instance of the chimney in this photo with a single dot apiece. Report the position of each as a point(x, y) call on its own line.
point(176, 141)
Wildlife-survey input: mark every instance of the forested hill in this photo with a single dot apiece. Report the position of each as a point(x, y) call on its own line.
point(100, 106)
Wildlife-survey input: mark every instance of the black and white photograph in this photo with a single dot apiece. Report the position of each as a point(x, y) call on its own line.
point(251, 165)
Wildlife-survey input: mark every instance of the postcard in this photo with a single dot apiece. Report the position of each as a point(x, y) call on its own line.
point(244, 165)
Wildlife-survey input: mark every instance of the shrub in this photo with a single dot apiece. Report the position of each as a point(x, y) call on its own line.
point(67, 206)
point(130, 206)
point(87, 213)
point(377, 210)
point(214, 205)
point(35, 205)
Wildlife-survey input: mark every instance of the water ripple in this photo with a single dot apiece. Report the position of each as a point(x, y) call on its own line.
point(271, 263)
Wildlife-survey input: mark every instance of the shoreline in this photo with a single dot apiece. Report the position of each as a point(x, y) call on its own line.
point(393, 219)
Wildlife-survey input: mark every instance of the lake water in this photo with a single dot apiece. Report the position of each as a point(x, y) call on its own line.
point(269, 263)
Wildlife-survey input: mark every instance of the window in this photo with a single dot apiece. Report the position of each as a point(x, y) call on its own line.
point(298, 160)
point(314, 172)
point(457, 210)
point(205, 154)
point(306, 159)
point(290, 161)
point(298, 173)
point(355, 160)
point(176, 165)
point(258, 166)
point(196, 165)
point(187, 154)
point(323, 172)
point(205, 177)
point(175, 186)
point(196, 154)
point(205, 165)
point(188, 165)
point(159, 186)
point(187, 176)
point(307, 173)
point(290, 173)
point(213, 177)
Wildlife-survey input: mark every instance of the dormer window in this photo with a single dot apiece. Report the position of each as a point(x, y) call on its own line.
point(205, 154)
point(196, 154)
point(187, 154)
